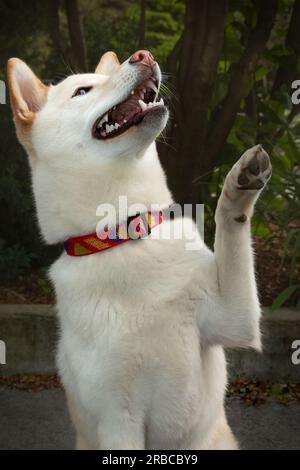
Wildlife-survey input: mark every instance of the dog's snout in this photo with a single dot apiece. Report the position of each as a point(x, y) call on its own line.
point(142, 57)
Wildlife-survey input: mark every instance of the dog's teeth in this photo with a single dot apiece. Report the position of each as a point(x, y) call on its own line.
point(104, 119)
point(151, 85)
point(142, 105)
point(114, 108)
point(132, 92)
point(141, 95)
point(125, 120)
point(117, 125)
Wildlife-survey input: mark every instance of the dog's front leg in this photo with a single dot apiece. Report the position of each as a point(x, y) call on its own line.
point(233, 320)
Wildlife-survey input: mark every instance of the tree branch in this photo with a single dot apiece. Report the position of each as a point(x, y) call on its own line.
point(224, 116)
point(285, 75)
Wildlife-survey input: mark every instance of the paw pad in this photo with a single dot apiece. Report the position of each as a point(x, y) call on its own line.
point(255, 169)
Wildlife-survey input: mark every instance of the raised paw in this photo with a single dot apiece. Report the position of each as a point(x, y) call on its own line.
point(254, 169)
point(243, 185)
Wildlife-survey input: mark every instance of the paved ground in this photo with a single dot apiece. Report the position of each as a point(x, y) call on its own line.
point(40, 421)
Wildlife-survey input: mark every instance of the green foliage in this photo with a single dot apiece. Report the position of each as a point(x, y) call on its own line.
point(13, 260)
point(280, 204)
point(263, 119)
point(119, 31)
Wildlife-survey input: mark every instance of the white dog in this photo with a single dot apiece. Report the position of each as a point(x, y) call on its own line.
point(143, 324)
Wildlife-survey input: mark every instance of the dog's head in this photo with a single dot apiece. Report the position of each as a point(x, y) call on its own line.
point(90, 139)
point(99, 116)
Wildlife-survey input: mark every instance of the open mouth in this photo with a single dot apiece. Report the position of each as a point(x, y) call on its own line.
point(129, 112)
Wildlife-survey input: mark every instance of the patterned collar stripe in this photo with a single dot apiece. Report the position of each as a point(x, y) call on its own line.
point(136, 227)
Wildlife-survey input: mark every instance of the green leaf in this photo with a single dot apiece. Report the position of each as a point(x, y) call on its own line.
point(260, 73)
point(283, 296)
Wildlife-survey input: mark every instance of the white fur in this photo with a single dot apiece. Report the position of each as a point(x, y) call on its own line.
point(142, 325)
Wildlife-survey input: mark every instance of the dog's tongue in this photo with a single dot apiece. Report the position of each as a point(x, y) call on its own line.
point(126, 110)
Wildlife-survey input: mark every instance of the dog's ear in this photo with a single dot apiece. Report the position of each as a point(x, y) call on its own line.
point(108, 64)
point(27, 93)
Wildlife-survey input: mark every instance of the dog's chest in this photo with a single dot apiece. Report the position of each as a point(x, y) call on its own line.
point(123, 303)
point(117, 325)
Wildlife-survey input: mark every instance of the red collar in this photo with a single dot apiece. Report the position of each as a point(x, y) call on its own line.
point(135, 227)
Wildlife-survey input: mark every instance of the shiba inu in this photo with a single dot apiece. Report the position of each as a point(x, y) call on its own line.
point(142, 325)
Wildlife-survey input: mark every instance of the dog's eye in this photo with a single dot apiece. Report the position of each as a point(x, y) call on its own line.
point(82, 91)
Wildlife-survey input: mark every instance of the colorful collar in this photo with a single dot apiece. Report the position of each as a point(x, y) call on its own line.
point(136, 227)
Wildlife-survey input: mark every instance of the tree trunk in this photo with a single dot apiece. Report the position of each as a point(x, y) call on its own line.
point(195, 139)
point(194, 61)
point(73, 55)
point(142, 25)
point(55, 34)
point(76, 35)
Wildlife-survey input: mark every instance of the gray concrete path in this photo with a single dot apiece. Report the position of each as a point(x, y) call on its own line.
point(40, 420)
